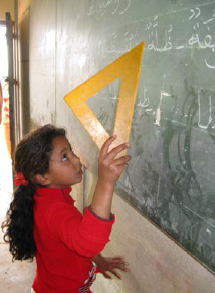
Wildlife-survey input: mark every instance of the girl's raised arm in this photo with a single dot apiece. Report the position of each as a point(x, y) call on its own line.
point(109, 170)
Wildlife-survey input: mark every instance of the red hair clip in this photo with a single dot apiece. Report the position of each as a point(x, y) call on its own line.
point(19, 179)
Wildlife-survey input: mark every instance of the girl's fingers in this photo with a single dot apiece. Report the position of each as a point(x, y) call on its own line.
point(112, 154)
point(106, 275)
point(124, 268)
point(106, 144)
point(121, 265)
point(121, 160)
point(115, 273)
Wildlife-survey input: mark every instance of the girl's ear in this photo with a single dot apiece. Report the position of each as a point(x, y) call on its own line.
point(42, 179)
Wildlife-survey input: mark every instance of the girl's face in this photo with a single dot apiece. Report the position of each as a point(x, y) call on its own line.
point(64, 166)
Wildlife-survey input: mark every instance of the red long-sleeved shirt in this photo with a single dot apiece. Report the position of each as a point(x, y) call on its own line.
point(65, 240)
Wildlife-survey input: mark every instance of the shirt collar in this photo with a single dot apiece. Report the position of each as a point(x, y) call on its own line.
point(55, 193)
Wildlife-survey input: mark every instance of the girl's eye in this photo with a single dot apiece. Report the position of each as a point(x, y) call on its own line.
point(64, 158)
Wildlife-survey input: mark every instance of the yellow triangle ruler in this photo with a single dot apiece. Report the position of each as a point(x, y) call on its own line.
point(127, 67)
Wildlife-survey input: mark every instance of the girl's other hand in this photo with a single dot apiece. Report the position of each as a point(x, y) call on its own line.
point(111, 265)
point(110, 167)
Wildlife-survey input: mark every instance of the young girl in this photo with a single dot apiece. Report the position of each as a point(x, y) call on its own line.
point(43, 222)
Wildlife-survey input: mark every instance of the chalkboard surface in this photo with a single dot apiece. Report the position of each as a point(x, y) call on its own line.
point(171, 178)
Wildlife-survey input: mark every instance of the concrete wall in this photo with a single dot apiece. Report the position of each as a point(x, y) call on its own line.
point(23, 64)
point(7, 6)
point(23, 45)
point(157, 263)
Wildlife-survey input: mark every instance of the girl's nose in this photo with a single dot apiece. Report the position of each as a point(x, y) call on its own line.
point(76, 160)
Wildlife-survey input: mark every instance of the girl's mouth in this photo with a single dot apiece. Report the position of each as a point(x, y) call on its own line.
point(80, 172)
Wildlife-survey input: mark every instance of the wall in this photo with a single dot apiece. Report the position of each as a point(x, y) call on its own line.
point(7, 6)
point(41, 82)
point(157, 263)
point(23, 64)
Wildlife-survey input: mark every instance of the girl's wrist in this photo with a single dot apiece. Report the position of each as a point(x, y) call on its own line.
point(104, 184)
point(105, 187)
point(102, 198)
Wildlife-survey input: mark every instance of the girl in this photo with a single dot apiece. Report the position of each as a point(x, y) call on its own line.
point(43, 222)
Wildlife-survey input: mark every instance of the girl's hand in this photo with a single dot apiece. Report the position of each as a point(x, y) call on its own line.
point(109, 265)
point(110, 168)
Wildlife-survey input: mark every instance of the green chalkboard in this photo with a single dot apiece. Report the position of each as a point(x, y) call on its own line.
point(171, 178)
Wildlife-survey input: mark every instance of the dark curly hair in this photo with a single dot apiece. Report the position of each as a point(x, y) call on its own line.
point(31, 157)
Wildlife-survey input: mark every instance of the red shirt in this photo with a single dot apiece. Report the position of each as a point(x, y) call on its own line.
point(65, 240)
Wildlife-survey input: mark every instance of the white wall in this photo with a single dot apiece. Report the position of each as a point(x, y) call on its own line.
point(158, 264)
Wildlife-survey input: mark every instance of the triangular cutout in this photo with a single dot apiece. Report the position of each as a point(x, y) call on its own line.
point(104, 104)
point(128, 68)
